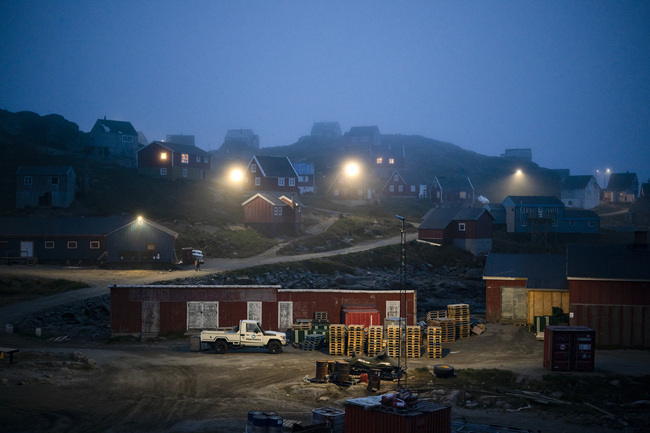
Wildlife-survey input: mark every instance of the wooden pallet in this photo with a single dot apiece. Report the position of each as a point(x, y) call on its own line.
point(356, 339)
point(375, 340)
point(459, 313)
point(434, 342)
point(337, 339)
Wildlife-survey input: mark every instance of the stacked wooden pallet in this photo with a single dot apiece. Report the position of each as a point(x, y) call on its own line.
point(434, 342)
point(375, 339)
point(337, 340)
point(393, 340)
point(320, 315)
point(312, 341)
point(447, 329)
point(436, 314)
point(413, 341)
point(459, 313)
point(356, 339)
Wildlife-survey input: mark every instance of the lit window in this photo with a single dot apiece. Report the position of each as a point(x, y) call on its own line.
point(463, 194)
point(163, 156)
point(163, 172)
point(185, 158)
point(49, 245)
point(72, 245)
point(391, 161)
point(94, 245)
point(380, 160)
point(461, 227)
point(151, 247)
point(280, 181)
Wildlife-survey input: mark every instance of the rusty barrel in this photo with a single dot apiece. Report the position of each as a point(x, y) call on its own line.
point(342, 371)
point(321, 371)
point(374, 380)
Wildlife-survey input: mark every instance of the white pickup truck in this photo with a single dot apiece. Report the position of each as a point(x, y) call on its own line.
point(249, 333)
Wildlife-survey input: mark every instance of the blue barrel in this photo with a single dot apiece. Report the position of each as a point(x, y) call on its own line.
point(260, 423)
point(249, 420)
point(274, 424)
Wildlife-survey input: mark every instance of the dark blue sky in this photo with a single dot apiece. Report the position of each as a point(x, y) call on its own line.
point(569, 79)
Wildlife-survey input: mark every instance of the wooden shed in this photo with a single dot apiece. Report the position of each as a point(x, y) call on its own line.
point(519, 287)
point(141, 242)
point(272, 213)
point(153, 309)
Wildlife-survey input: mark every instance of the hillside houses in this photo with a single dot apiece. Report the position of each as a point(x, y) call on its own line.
point(270, 174)
point(581, 192)
point(173, 161)
point(621, 188)
point(547, 214)
point(115, 139)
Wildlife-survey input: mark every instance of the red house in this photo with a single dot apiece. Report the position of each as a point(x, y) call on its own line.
point(173, 161)
point(168, 308)
point(405, 185)
point(609, 289)
point(467, 228)
point(271, 174)
point(272, 214)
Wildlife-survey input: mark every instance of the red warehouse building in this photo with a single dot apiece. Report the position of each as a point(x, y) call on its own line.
point(153, 309)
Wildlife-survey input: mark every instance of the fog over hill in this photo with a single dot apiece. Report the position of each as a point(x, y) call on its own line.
point(29, 139)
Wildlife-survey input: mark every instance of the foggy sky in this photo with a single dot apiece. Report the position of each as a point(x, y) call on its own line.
point(569, 79)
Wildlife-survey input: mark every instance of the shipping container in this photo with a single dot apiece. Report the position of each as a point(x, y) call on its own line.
point(569, 348)
point(361, 316)
point(425, 417)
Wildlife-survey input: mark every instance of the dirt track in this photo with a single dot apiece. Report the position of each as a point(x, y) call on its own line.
point(163, 387)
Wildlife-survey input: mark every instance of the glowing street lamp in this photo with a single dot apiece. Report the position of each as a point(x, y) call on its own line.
point(351, 169)
point(236, 175)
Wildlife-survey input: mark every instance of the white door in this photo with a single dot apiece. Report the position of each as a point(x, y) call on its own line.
point(151, 317)
point(285, 315)
point(26, 249)
point(392, 309)
point(202, 315)
point(514, 303)
point(254, 311)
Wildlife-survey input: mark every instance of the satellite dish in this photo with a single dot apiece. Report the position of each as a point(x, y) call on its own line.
point(483, 200)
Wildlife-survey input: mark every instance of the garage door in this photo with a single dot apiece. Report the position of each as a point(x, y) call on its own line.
point(514, 303)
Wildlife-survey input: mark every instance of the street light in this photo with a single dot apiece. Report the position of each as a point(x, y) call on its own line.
point(402, 295)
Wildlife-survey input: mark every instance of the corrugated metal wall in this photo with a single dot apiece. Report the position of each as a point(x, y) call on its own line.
point(618, 311)
point(137, 309)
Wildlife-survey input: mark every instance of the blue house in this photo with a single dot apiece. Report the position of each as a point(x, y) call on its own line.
point(547, 214)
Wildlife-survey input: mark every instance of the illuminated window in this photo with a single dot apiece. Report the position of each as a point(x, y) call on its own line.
point(185, 158)
point(163, 156)
point(463, 194)
point(391, 161)
point(72, 245)
point(94, 245)
point(151, 247)
point(380, 160)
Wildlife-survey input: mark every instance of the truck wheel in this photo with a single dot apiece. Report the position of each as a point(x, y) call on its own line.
point(274, 347)
point(443, 370)
point(220, 347)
